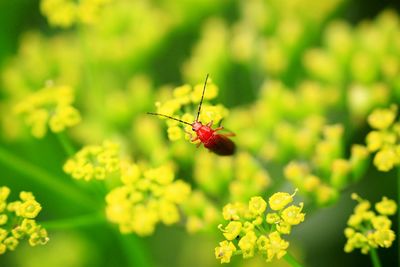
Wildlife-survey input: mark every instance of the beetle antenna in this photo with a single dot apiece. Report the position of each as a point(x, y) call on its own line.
point(202, 96)
point(169, 117)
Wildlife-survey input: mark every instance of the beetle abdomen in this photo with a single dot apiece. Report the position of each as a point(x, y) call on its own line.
point(221, 145)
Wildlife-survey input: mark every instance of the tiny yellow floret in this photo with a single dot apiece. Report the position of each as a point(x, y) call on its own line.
point(280, 200)
point(386, 206)
point(225, 251)
point(232, 230)
point(257, 205)
point(382, 119)
point(17, 221)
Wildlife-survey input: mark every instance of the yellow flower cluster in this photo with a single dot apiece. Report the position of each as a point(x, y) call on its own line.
point(356, 52)
point(66, 13)
point(251, 230)
point(334, 172)
point(94, 162)
point(51, 105)
point(366, 229)
point(145, 199)
point(384, 139)
point(184, 96)
point(257, 38)
point(284, 130)
point(311, 185)
point(363, 57)
point(17, 221)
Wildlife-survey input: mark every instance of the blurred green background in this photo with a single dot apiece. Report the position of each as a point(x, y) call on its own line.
point(102, 245)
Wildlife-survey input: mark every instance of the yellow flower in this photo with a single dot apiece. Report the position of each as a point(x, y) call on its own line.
point(3, 219)
point(182, 91)
point(381, 222)
point(21, 214)
point(232, 230)
point(366, 229)
point(168, 212)
point(51, 105)
point(144, 219)
point(174, 133)
point(233, 211)
point(273, 218)
point(292, 214)
point(374, 140)
point(163, 175)
point(38, 237)
point(194, 224)
point(210, 93)
point(28, 226)
point(65, 13)
point(386, 206)
point(25, 196)
point(359, 152)
point(247, 244)
point(384, 237)
point(247, 225)
point(257, 205)
point(386, 159)
point(284, 227)
point(257, 221)
point(146, 198)
point(4, 192)
point(177, 192)
point(295, 171)
point(262, 242)
point(29, 209)
point(280, 200)
point(11, 243)
point(276, 246)
point(382, 119)
point(60, 13)
point(3, 234)
point(224, 251)
point(94, 162)
point(130, 173)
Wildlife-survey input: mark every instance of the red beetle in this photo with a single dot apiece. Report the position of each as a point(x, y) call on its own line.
point(217, 143)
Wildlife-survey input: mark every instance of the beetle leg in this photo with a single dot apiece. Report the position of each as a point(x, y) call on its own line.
point(210, 123)
point(224, 134)
point(191, 137)
point(198, 144)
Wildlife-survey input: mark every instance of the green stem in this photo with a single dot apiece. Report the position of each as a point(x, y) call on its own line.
point(291, 260)
point(79, 221)
point(66, 144)
point(374, 258)
point(134, 250)
point(40, 176)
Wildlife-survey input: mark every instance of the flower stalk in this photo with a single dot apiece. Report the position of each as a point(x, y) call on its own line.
point(374, 258)
point(46, 179)
point(76, 222)
point(66, 144)
point(291, 260)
